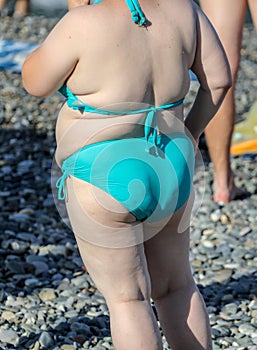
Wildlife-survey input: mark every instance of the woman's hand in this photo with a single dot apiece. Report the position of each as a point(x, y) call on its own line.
point(75, 3)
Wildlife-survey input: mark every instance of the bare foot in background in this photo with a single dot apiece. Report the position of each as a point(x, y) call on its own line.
point(226, 194)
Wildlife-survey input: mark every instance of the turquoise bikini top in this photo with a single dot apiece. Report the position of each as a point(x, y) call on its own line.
point(151, 125)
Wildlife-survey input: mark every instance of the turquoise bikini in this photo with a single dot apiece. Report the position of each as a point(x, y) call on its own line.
point(151, 175)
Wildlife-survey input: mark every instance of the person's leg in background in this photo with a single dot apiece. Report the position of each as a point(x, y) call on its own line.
point(21, 8)
point(253, 9)
point(228, 19)
point(2, 5)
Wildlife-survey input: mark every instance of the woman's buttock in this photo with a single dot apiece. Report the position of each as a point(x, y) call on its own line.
point(150, 180)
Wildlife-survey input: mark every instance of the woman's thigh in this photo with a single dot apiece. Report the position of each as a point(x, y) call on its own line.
point(120, 274)
point(107, 236)
point(167, 254)
point(98, 218)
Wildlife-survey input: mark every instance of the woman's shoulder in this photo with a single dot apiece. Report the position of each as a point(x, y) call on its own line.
point(79, 14)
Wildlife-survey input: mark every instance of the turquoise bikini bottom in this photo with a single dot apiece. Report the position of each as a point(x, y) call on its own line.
point(151, 185)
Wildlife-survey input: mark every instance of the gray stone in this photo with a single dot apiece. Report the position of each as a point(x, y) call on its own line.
point(246, 329)
point(9, 336)
point(40, 267)
point(32, 282)
point(71, 314)
point(47, 294)
point(46, 340)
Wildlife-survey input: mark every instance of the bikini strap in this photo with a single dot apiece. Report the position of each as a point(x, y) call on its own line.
point(75, 103)
point(137, 14)
point(151, 124)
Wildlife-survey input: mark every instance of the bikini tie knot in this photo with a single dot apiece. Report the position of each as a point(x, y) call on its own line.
point(151, 131)
point(135, 17)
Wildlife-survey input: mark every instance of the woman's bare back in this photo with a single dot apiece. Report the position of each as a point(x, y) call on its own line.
point(121, 62)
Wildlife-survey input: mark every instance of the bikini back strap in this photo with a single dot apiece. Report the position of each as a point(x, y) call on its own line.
point(75, 103)
point(151, 123)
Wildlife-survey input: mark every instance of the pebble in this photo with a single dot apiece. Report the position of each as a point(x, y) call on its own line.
point(47, 300)
point(47, 294)
point(9, 337)
point(45, 340)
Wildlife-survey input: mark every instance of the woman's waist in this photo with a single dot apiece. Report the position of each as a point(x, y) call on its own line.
point(72, 142)
point(73, 133)
point(70, 122)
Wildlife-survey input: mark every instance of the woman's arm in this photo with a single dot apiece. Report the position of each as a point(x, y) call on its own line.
point(46, 69)
point(212, 70)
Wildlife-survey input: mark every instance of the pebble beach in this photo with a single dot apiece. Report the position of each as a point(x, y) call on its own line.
point(47, 299)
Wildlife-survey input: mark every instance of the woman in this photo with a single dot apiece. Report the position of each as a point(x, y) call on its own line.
point(134, 247)
point(228, 18)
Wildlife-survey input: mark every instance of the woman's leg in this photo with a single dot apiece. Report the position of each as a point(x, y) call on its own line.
point(180, 307)
point(228, 19)
point(121, 275)
point(119, 271)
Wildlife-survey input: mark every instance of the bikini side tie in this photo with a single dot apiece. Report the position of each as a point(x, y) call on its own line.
point(61, 186)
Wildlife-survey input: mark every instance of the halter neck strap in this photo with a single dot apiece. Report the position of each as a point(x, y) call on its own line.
point(137, 14)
